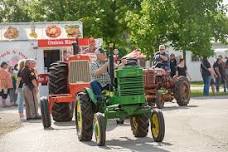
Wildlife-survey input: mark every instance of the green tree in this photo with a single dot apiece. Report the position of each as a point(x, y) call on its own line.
point(14, 11)
point(150, 26)
point(187, 25)
point(100, 18)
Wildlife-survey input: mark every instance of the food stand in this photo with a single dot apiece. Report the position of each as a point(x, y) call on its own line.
point(46, 42)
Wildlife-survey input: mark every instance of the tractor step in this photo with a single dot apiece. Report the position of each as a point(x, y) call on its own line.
point(58, 98)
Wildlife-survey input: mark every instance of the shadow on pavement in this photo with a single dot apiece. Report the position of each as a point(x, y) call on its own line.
point(210, 97)
point(34, 121)
point(8, 109)
point(69, 123)
point(140, 144)
point(179, 108)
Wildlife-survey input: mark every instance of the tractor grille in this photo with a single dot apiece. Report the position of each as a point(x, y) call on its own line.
point(129, 86)
point(79, 71)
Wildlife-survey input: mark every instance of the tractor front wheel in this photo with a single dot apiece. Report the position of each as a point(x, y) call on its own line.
point(84, 117)
point(157, 125)
point(100, 129)
point(45, 115)
point(139, 125)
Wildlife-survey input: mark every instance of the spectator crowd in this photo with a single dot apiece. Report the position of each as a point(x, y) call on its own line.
point(214, 75)
point(20, 84)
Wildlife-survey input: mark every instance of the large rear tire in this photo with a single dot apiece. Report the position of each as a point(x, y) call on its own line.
point(58, 84)
point(84, 117)
point(157, 125)
point(62, 112)
point(182, 92)
point(139, 125)
point(58, 78)
point(45, 115)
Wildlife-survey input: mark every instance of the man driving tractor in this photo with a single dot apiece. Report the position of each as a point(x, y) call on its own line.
point(99, 72)
point(162, 58)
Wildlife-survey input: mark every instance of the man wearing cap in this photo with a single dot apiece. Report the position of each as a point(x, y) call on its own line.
point(99, 73)
point(5, 82)
point(162, 58)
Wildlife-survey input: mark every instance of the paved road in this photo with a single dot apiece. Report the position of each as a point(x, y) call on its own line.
point(201, 127)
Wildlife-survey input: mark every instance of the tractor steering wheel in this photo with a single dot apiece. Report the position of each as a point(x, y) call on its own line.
point(131, 61)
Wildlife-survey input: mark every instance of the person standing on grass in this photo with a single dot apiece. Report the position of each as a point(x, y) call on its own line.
point(220, 72)
point(226, 72)
point(213, 78)
point(19, 85)
point(206, 75)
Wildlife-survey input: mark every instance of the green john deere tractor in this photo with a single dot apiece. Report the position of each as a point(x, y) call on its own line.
point(125, 99)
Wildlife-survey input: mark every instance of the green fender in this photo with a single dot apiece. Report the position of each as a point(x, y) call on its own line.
point(91, 95)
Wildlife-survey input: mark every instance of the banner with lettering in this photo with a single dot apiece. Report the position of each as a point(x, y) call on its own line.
point(19, 50)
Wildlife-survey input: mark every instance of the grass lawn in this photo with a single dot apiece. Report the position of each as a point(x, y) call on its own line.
point(198, 93)
point(197, 90)
point(197, 84)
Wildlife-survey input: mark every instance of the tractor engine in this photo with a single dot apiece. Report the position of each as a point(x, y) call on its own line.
point(156, 79)
point(130, 84)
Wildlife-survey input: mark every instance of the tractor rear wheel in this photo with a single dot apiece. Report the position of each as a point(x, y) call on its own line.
point(182, 91)
point(58, 78)
point(62, 112)
point(58, 84)
point(100, 129)
point(157, 125)
point(45, 115)
point(84, 117)
point(139, 125)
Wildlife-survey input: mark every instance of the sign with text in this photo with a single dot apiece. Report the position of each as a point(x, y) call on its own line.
point(62, 42)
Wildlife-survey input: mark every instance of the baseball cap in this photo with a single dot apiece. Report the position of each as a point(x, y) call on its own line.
point(220, 57)
point(161, 47)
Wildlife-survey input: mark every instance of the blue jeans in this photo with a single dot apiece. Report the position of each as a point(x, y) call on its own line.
point(20, 100)
point(97, 88)
point(206, 81)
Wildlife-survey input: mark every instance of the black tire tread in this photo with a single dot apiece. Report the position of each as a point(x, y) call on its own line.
point(102, 125)
point(87, 117)
point(141, 130)
point(45, 115)
point(62, 112)
point(180, 100)
point(161, 125)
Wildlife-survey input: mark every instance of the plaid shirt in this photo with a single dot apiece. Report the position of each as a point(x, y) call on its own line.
point(103, 79)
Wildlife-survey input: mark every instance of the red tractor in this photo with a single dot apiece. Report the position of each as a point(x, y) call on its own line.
point(65, 81)
point(161, 88)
